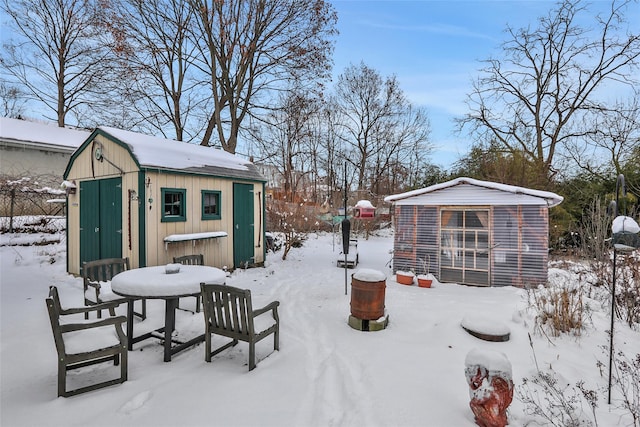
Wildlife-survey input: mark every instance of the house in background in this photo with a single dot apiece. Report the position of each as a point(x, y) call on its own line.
point(474, 232)
point(37, 150)
point(151, 199)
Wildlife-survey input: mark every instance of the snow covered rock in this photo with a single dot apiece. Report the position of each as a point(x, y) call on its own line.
point(490, 382)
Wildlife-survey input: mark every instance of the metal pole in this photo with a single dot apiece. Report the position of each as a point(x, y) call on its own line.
point(619, 184)
point(345, 218)
point(613, 309)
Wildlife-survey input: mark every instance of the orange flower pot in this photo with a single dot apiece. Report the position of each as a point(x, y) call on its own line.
point(404, 277)
point(424, 281)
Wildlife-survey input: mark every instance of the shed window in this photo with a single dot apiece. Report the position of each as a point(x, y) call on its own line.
point(210, 204)
point(173, 204)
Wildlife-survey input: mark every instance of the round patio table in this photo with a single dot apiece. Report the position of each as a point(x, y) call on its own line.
point(157, 283)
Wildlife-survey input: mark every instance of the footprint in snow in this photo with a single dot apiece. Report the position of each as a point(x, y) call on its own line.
point(136, 402)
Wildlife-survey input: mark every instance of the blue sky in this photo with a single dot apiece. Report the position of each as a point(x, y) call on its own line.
point(434, 49)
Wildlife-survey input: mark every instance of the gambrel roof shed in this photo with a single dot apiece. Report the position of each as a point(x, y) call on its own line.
point(474, 232)
point(152, 199)
point(154, 153)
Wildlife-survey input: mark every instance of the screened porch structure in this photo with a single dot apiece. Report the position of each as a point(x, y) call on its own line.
point(474, 232)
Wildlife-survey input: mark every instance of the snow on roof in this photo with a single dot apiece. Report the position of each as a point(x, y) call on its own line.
point(151, 151)
point(552, 199)
point(364, 204)
point(41, 133)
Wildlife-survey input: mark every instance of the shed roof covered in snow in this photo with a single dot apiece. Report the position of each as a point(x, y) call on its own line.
point(155, 153)
point(474, 192)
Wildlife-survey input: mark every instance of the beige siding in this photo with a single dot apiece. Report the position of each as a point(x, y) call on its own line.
point(86, 167)
point(217, 252)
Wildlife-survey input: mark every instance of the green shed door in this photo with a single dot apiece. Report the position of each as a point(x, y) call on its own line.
point(243, 251)
point(100, 219)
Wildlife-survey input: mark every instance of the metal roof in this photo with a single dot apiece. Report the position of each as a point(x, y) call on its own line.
point(474, 192)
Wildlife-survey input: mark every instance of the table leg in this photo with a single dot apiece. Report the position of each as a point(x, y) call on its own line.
point(169, 325)
point(130, 324)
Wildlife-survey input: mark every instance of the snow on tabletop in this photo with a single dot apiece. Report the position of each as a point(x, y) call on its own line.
point(155, 282)
point(195, 236)
point(484, 326)
point(625, 224)
point(493, 361)
point(369, 275)
point(154, 151)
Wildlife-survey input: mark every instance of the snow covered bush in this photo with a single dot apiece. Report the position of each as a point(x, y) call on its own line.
point(628, 289)
point(559, 307)
point(627, 381)
point(293, 221)
point(551, 401)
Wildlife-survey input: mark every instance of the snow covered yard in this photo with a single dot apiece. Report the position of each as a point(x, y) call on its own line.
point(325, 374)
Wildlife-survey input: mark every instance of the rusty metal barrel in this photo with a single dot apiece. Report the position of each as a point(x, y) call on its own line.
point(367, 294)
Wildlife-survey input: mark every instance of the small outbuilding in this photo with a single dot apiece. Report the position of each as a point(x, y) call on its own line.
point(152, 199)
point(474, 232)
point(364, 210)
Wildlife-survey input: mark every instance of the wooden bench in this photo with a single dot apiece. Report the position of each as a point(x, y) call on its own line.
point(228, 312)
point(72, 340)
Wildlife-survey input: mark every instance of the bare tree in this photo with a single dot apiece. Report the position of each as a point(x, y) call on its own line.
point(377, 124)
point(248, 48)
point(532, 99)
point(614, 136)
point(150, 40)
point(12, 101)
point(286, 141)
point(56, 58)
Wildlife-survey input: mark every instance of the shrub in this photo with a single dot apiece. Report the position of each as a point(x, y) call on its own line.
point(559, 309)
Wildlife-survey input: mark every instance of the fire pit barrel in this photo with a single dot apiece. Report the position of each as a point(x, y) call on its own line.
point(367, 294)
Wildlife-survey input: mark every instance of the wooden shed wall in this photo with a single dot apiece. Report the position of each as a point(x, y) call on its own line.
point(217, 252)
point(517, 242)
point(85, 167)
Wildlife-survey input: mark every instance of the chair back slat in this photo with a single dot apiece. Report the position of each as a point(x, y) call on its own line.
point(227, 308)
point(197, 259)
point(103, 270)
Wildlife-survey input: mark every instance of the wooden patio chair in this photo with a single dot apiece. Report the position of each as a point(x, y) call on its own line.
point(197, 259)
point(86, 343)
point(228, 312)
point(97, 277)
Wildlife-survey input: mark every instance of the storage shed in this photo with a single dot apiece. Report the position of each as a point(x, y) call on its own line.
point(474, 232)
point(151, 199)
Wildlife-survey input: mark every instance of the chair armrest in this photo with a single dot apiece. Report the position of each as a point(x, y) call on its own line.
point(69, 327)
point(102, 306)
point(271, 306)
point(93, 284)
